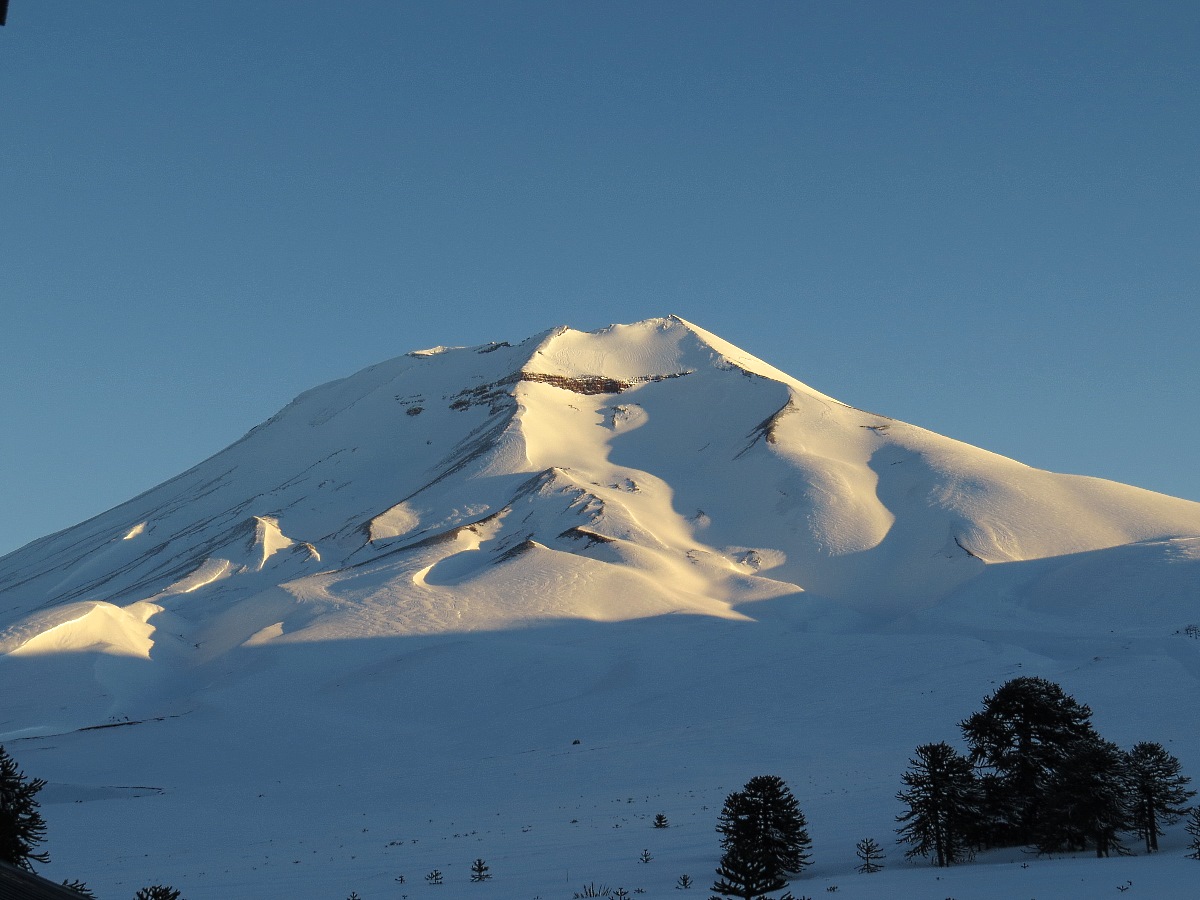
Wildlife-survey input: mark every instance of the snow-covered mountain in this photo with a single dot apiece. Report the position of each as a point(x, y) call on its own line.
point(585, 524)
point(635, 471)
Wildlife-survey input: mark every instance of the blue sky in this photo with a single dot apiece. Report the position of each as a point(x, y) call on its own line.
point(978, 217)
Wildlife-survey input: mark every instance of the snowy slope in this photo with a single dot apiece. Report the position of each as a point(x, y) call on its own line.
point(434, 574)
point(652, 461)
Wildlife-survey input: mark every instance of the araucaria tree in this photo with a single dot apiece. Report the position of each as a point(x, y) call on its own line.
point(479, 871)
point(21, 825)
point(1038, 775)
point(743, 875)
point(764, 837)
point(869, 851)
point(1193, 829)
point(1158, 793)
point(1026, 733)
point(943, 800)
point(1085, 801)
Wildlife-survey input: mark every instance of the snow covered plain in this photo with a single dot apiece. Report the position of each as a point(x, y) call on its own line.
point(362, 642)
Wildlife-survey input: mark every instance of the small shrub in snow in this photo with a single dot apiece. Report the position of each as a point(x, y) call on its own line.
point(660, 821)
point(590, 890)
point(157, 892)
point(870, 853)
point(434, 877)
point(684, 882)
point(645, 857)
point(479, 871)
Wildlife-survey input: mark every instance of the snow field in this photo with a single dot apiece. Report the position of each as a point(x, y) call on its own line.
point(671, 713)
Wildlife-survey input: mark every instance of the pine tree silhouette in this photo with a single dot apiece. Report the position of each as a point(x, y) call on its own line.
point(943, 801)
point(765, 839)
point(21, 825)
point(1193, 828)
point(1026, 732)
point(479, 871)
point(1158, 792)
point(1085, 801)
point(870, 853)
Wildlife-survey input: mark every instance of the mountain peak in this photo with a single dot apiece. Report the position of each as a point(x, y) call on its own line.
point(643, 350)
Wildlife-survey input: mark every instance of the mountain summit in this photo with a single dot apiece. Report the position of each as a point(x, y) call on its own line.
point(633, 471)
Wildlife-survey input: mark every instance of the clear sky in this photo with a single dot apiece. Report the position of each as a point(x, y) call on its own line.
point(978, 217)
